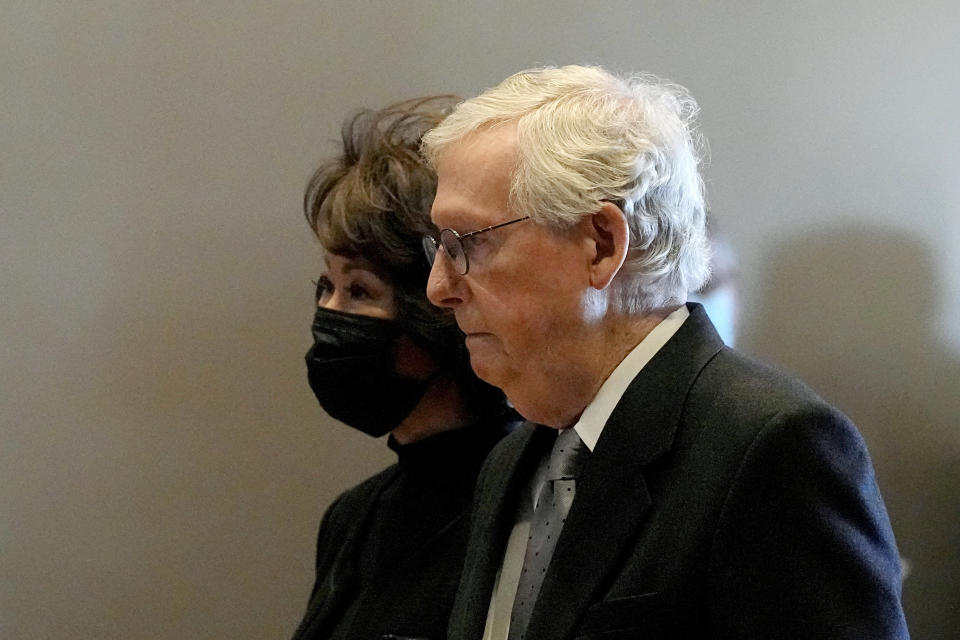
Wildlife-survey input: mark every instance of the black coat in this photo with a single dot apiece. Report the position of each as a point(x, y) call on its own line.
point(390, 550)
point(723, 500)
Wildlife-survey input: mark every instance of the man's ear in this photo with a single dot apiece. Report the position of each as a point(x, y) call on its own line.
point(609, 237)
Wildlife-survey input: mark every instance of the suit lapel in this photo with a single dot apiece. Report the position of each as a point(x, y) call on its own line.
point(506, 474)
point(612, 497)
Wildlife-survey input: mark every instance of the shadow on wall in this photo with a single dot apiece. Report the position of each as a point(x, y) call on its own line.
point(854, 312)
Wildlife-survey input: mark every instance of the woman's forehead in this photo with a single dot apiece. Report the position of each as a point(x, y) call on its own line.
point(347, 263)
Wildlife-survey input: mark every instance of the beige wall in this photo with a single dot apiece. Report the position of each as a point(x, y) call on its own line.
point(163, 464)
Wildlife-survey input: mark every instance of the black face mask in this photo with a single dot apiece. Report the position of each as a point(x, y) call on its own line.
point(351, 369)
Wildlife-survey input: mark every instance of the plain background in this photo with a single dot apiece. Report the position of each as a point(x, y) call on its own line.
point(163, 464)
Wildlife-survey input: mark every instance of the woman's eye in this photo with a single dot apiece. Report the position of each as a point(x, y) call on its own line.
point(358, 292)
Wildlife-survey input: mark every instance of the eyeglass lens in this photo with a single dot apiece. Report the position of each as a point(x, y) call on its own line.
point(429, 248)
point(454, 248)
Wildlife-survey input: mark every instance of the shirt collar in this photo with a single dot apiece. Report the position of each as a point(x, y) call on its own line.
point(595, 416)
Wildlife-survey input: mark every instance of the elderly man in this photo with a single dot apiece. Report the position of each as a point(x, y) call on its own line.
point(665, 486)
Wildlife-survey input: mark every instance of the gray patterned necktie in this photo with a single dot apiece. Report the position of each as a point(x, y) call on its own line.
point(553, 505)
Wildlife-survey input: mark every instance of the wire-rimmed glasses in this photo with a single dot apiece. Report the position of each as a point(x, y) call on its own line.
point(453, 245)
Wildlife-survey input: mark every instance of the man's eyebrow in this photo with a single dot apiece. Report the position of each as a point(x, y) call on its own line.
point(465, 225)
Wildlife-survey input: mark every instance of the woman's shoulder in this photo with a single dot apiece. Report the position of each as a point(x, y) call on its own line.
point(360, 495)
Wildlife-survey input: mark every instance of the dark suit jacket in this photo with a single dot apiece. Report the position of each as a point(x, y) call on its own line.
point(723, 500)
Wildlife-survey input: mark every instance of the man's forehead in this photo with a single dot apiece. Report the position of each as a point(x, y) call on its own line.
point(474, 179)
point(456, 210)
point(496, 138)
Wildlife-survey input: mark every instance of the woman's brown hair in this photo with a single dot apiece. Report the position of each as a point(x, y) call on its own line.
point(373, 201)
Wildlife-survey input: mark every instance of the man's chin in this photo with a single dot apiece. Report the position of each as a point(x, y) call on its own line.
point(484, 365)
point(484, 372)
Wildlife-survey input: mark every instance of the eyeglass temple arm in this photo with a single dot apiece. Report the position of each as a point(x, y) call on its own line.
point(491, 227)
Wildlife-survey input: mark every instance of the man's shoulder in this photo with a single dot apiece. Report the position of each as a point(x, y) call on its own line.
point(503, 459)
point(735, 399)
point(740, 383)
point(505, 453)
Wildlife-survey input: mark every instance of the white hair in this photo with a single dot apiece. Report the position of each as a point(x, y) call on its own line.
point(586, 137)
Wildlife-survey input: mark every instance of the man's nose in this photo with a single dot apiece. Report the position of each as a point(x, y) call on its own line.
point(443, 285)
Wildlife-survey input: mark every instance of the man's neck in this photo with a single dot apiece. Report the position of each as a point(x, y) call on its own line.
point(600, 349)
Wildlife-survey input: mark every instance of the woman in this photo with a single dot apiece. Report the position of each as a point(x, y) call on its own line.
point(390, 550)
